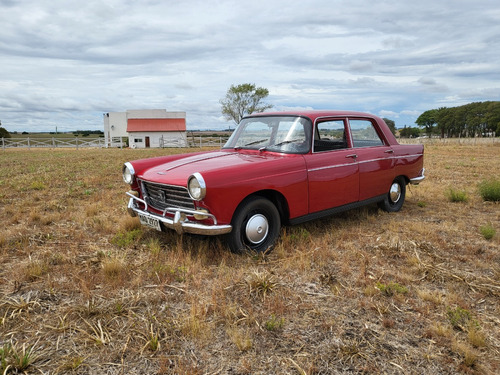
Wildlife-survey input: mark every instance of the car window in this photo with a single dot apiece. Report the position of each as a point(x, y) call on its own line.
point(330, 135)
point(287, 134)
point(364, 134)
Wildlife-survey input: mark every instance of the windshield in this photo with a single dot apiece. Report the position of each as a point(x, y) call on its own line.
point(287, 134)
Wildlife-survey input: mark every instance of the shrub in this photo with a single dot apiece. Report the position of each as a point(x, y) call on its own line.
point(125, 239)
point(457, 195)
point(461, 319)
point(490, 190)
point(274, 323)
point(487, 231)
point(392, 288)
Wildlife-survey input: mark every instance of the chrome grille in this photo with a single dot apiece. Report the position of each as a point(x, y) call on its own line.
point(162, 196)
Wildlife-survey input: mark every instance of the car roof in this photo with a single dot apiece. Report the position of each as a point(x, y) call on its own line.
point(314, 114)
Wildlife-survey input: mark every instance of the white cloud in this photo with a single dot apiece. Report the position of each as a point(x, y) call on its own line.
point(65, 65)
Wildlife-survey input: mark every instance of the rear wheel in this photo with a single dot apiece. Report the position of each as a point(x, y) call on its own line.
point(256, 226)
point(395, 198)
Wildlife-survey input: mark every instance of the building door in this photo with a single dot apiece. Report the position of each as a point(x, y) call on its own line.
point(147, 142)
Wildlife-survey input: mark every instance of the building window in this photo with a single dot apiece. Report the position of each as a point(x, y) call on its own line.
point(137, 140)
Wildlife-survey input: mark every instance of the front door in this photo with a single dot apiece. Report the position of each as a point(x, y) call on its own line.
point(332, 167)
point(147, 142)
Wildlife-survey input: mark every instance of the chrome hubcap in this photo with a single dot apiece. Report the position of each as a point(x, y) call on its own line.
point(395, 192)
point(257, 228)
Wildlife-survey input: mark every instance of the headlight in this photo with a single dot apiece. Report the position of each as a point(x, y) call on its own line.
point(196, 187)
point(128, 173)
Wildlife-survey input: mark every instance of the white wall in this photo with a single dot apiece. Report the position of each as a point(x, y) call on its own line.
point(115, 125)
point(158, 139)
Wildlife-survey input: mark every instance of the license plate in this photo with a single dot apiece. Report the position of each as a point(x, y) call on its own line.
point(150, 222)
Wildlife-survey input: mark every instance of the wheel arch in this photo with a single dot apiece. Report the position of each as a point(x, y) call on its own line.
point(277, 198)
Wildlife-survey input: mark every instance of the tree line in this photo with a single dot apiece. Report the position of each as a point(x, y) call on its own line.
point(479, 119)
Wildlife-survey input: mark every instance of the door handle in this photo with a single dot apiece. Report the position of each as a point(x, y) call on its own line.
point(353, 156)
point(389, 151)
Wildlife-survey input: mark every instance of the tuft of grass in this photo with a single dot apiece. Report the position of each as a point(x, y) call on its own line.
point(71, 363)
point(38, 185)
point(476, 336)
point(261, 283)
point(16, 358)
point(127, 238)
point(34, 270)
point(391, 288)
point(241, 339)
point(154, 246)
point(460, 318)
point(274, 323)
point(422, 204)
point(469, 356)
point(490, 190)
point(455, 195)
point(113, 268)
point(152, 340)
point(487, 231)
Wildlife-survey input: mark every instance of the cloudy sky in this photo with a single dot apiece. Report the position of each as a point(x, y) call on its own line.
point(64, 63)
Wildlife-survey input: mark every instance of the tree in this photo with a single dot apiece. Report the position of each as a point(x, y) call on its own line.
point(391, 124)
point(409, 132)
point(242, 100)
point(3, 132)
point(427, 120)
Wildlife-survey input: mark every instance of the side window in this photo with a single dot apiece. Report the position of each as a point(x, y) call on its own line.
point(364, 134)
point(330, 135)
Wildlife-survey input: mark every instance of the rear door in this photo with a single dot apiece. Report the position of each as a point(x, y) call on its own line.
point(374, 156)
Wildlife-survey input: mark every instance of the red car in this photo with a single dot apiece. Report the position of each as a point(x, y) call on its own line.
point(283, 167)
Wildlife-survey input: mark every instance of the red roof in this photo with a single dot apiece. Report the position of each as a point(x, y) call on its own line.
point(156, 125)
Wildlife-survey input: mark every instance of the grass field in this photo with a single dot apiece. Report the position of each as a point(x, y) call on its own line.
point(85, 290)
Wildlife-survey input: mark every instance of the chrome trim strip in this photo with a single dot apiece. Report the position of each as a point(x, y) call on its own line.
point(179, 222)
point(330, 167)
point(361, 162)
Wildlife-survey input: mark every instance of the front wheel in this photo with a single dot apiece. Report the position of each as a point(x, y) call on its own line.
point(395, 198)
point(256, 226)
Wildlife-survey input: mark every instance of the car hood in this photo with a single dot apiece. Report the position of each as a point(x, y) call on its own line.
point(214, 164)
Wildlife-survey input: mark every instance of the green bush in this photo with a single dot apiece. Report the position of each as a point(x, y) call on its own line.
point(457, 195)
point(461, 319)
point(490, 190)
point(125, 239)
point(487, 231)
point(391, 288)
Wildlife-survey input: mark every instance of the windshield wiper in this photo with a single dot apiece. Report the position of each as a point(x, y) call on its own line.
point(290, 141)
point(256, 142)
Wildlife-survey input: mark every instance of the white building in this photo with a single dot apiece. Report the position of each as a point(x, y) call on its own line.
point(145, 128)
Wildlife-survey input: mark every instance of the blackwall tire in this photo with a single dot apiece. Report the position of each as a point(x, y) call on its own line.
point(256, 226)
point(395, 198)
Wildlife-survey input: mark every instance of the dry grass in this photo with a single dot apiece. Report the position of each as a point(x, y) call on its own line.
point(85, 290)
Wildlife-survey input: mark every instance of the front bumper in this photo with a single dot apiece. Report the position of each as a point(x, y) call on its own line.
point(179, 222)
point(419, 179)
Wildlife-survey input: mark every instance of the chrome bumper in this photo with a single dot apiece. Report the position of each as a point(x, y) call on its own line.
point(179, 222)
point(419, 179)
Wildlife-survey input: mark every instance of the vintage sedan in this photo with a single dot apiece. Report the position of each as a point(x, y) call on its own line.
point(276, 168)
